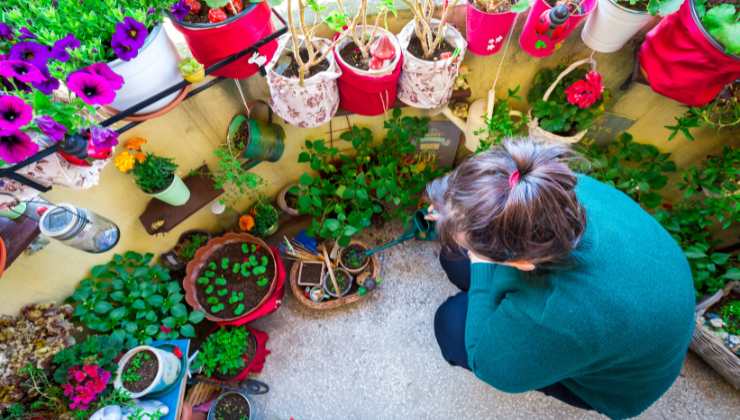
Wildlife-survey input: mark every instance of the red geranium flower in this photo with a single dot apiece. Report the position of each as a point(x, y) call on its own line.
point(586, 92)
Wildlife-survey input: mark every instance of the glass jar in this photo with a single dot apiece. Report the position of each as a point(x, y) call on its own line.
point(79, 228)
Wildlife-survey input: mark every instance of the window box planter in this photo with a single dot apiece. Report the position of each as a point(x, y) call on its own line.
point(537, 39)
point(428, 84)
point(212, 42)
point(612, 25)
point(682, 61)
point(486, 32)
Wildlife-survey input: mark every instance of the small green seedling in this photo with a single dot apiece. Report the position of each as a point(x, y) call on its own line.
point(209, 289)
point(259, 270)
point(225, 263)
point(203, 281)
point(245, 271)
point(262, 282)
point(239, 309)
point(222, 292)
point(212, 265)
point(212, 300)
point(210, 274)
point(217, 308)
point(245, 249)
point(235, 269)
point(220, 281)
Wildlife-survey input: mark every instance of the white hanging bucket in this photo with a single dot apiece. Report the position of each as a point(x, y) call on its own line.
point(611, 26)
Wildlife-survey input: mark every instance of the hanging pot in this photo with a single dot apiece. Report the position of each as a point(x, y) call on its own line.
point(428, 84)
point(176, 194)
point(265, 141)
point(315, 101)
point(612, 25)
point(486, 32)
point(682, 61)
point(538, 39)
point(213, 42)
point(368, 92)
point(152, 70)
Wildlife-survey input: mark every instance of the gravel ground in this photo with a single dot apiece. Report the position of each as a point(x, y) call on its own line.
point(378, 359)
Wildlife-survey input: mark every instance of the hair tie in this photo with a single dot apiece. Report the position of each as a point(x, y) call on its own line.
point(514, 178)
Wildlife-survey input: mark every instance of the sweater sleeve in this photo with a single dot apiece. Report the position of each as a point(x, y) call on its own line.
point(506, 347)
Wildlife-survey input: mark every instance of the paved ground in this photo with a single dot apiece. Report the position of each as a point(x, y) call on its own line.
point(378, 359)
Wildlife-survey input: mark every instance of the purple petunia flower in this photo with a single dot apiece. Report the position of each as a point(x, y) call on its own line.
point(129, 36)
point(91, 88)
point(103, 138)
point(31, 52)
point(151, 11)
point(180, 9)
point(6, 32)
point(101, 69)
point(59, 50)
point(48, 85)
point(21, 70)
point(51, 128)
point(26, 34)
point(16, 146)
point(14, 112)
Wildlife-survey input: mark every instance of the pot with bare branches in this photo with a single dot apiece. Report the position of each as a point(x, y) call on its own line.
point(370, 59)
point(433, 50)
point(489, 23)
point(303, 80)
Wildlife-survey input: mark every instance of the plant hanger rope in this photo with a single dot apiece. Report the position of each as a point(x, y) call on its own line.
point(492, 91)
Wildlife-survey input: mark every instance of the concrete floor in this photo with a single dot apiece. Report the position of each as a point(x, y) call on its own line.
point(378, 359)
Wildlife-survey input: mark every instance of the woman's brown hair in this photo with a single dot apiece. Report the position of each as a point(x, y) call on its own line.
point(515, 202)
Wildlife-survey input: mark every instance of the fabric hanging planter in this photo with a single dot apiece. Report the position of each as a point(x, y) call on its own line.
point(368, 92)
point(533, 125)
point(486, 32)
point(682, 61)
point(213, 42)
point(611, 26)
point(538, 39)
point(428, 84)
point(311, 104)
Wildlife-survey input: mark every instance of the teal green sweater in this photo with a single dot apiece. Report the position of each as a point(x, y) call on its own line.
point(613, 325)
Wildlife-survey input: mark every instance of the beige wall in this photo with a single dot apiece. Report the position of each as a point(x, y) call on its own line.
point(191, 131)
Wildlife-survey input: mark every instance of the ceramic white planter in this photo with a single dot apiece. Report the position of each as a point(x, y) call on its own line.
point(610, 26)
point(167, 372)
point(154, 69)
point(176, 194)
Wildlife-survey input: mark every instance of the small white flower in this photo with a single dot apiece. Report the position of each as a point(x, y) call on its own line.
point(257, 59)
point(499, 39)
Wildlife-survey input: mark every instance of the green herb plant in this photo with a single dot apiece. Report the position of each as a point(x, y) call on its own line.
point(231, 176)
point(730, 313)
point(722, 113)
point(155, 173)
point(354, 257)
point(194, 243)
point(101, 350)
point(654, 7)
point(223, 352)
point(134, 301)
point(131, 373)
point(501, 124)
point(265, 217)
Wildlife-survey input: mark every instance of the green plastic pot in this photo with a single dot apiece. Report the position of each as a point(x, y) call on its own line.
point(265, 141)
point(176, 194)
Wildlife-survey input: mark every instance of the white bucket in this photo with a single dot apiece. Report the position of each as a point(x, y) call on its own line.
point(610, 26)
point(168, 370)
point(153, 70)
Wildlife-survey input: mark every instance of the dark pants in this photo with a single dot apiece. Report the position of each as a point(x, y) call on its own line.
point(449, 326)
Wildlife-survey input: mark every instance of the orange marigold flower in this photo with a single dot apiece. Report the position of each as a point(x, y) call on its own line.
point(246, 223)
point(124, 161)
point(140, 157)
point(134, 143)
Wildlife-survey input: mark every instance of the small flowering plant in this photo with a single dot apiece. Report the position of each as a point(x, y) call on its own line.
point(152, 173)
point(85, 385)
point(573, 105)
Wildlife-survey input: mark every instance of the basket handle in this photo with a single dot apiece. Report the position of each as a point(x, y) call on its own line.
point(566, 72)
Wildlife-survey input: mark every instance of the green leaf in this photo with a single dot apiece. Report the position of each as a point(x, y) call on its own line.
point(196, 317)
point(306, 180)
point(155, 300)
point(332, 224)
point(519, 7)
point(187, 330)
point(733, 274)
point(720, 258)
point(151, 329)
point(169, 322)
point(99, 270)
point(139, 304)
point(118, 313)
point(179, 311)
point(103, 307)
point(722, 23)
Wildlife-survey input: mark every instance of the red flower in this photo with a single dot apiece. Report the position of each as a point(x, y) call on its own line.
point(584, 93)
point(165, 329)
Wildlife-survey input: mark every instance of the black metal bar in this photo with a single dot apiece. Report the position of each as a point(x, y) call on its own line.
point(9, 172)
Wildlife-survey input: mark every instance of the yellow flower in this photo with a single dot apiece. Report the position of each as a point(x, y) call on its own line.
point(124, 161)
point(134, 143)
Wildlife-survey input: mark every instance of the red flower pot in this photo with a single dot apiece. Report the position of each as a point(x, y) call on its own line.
point(366, 92)
point(212, 42)
point(538, 39)
point(256, 364)
point(486, 32)
point(683, 62)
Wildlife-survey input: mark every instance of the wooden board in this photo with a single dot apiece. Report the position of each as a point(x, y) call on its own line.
point(160, 217)
point(17, 235)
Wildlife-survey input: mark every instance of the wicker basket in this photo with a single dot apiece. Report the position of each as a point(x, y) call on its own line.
point(710, 347)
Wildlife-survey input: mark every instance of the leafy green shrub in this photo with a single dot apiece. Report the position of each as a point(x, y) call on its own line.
point(231, 176)
point(155, 173)
point(101, 350)
point(134, 301)
point(501, 124)
point(722, 21)
point(265, 217)
point(223, 352)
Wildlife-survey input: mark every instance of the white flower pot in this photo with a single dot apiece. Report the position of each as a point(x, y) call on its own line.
point(168, 370)
point(610, 26)
point(153, 70)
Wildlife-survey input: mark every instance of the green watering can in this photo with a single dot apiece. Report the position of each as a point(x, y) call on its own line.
point(265, 140)
point(419, 228)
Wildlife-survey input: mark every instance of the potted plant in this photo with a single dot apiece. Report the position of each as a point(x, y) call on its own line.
point(231, 277)
point(565, 102)
point(369, 57)
point(145, 370)
point(550, 22)
point(155, 175)
point(231, 405)
point(216, 29)
point(262, 220)
point(344, 282)
point(723, 112)
point(489, 23)
point(303, 80)
point(616, 21)
point(432, 51)
point(691, 55)
point(231, 353)
point(353, 258)
point(129, 38)
point(184, 251)
point(287, 199)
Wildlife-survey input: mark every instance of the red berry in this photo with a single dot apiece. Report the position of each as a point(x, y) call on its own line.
point(216, 15)
point(237, 5)
point(194, 6)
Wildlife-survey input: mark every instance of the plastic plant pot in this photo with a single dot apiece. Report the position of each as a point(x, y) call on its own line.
point(152, 70)
point(168, 370)
point(265, 141)
point(486, 32)
point(176, 194)
point(538, 39)
point(611, 26)
point(368, 92)
point(347, 287)
point(682, 61)
point(212, 42)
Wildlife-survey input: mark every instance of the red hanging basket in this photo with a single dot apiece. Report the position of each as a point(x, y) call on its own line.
point(212, 42)
point(540, 41)
point(683, 62)
point(486, 32)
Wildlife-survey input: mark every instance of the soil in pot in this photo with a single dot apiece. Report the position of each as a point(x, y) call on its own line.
point(235, 279)
point(293, 67)
point(140, 371)
point(353, 257)
point(202, 15)
point(579, 9)
point(502, 7)
point(232, 407)
point(352, 55)
point(291, 199)
point(416, 49)
point(311, 273)
point(343, 279)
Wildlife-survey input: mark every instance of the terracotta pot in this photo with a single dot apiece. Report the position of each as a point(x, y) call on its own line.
point(3, 256)
point(354, 270)
point(283, 203)
point(200, 260)
point(537, 39)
